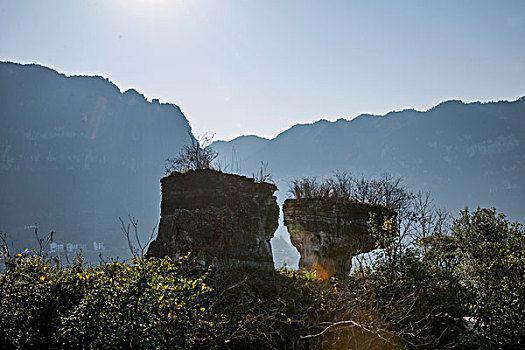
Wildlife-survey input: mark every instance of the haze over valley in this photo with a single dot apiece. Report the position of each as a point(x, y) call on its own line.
point(77, 153)
point(263, 174)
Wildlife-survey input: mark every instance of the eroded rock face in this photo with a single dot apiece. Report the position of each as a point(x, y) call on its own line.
point(218, 217)
point(328, 233)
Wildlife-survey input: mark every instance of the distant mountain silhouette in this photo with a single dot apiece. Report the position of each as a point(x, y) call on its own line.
point(76, 153)
point(465, 154)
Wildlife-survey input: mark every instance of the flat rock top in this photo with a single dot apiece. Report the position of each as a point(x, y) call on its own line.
point(204, 188)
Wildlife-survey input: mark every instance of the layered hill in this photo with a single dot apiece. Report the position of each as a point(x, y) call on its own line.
point(466, 154)
point(76, 153)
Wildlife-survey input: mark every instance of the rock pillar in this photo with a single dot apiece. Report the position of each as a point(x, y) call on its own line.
point(218, 217)
point(329, 233)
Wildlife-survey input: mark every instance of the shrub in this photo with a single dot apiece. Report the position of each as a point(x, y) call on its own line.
point(142, 303)
point(151, 303)
point(197, 155)
point(386, 190)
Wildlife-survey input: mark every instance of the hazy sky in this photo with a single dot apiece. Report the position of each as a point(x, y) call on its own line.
point(258, 67)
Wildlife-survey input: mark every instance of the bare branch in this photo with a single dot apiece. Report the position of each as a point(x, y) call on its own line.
point(197, 155)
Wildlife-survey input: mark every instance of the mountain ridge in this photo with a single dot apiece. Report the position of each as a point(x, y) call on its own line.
point(77, 152)
point(439, 150)
point(366, 115)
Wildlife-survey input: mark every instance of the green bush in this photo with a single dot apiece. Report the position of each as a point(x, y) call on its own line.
point(142, 303)
point(259, 309)
point(150, 304)
point(34, 293)
point(486, 253)
point(460, 287)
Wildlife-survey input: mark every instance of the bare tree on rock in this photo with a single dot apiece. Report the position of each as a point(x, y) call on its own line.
point(197, 155)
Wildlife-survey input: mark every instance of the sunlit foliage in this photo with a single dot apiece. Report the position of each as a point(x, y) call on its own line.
point(461, 286)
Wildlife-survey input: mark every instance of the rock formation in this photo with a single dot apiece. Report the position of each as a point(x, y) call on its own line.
point(328, 233)
point(218, 217)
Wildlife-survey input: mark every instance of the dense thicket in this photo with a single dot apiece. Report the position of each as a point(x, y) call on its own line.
point(458, 286)
point(149, 303)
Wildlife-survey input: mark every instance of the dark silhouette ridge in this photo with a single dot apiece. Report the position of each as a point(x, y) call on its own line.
point(464, 153)
point(76, 153)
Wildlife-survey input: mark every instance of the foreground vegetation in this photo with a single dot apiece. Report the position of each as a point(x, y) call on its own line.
point(148, 303)
point(461, 287)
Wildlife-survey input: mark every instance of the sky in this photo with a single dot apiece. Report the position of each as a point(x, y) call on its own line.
point(239, 67)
